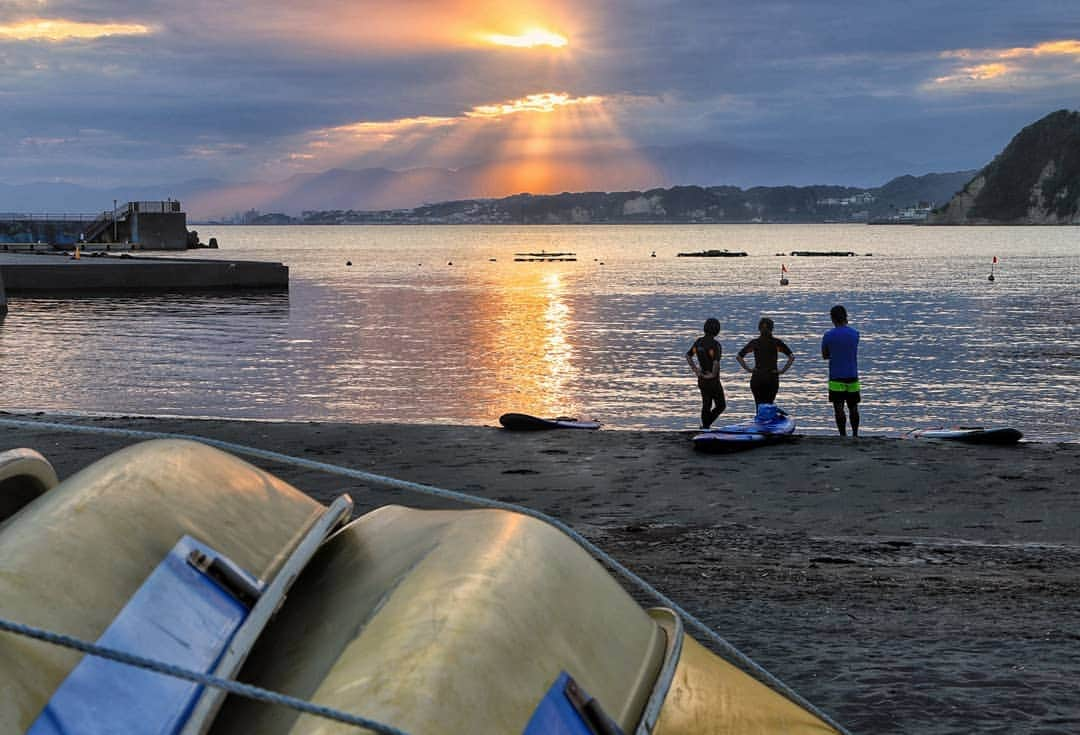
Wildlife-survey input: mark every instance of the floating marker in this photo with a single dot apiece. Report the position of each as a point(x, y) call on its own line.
point(783, 278)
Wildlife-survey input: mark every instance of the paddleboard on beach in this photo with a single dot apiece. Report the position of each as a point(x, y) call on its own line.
point(525, 422)
point(770, 424)
point(969, 434)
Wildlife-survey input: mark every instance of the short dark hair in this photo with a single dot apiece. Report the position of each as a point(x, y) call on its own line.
point(765, 323)
point(712, 326)
point(838, 314)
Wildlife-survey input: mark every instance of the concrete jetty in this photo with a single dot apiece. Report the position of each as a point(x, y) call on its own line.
point(38, 272)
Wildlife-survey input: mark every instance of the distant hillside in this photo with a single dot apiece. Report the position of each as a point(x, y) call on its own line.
point(360, 195)
point(679, 204)
point(908, 191)
point(1035, 180)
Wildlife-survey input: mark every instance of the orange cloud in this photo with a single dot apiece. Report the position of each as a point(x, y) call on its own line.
point(58, 30)
point(975, 73)
point(1036, 65)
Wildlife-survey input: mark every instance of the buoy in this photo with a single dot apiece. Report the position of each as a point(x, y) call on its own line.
point(783, 277)
point(783, 281)
point(653, 254)
point(450, 262)
point(491, 260)
point(990, 278)
point(348, 262)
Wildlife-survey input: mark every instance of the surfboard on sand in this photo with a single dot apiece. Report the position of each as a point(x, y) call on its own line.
point(525, 422)
point(769, 425)
point(969, 434)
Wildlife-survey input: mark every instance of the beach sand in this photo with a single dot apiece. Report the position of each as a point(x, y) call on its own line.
point(902, 586)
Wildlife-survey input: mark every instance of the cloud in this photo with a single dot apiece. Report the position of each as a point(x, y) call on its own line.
point(1038, 65)
point(531, 38)
point(542, 102)
point(245, 90)
point(57, 30)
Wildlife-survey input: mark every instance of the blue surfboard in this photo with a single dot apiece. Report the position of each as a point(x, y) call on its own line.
point(769, 425)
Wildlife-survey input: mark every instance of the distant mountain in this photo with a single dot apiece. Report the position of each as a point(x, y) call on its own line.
point(908, 191)
point(1035, 180)
point(781, 204)
point(331, 193)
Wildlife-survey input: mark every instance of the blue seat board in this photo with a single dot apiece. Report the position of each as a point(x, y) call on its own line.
point(557, 715)
point(179, 616)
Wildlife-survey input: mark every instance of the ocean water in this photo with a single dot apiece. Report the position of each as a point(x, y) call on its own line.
point(440, 324)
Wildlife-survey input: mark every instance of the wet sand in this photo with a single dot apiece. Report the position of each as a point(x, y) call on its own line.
point(902, 586)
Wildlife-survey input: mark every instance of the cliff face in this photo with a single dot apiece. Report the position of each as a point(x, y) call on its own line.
point(1035, 180)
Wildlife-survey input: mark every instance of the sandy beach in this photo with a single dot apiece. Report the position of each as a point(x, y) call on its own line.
point(902, 586)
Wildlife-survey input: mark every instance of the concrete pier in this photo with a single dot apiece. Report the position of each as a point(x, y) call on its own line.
point(142, 225)
point(26, 273)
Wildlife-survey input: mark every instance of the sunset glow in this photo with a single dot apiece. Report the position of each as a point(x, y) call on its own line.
point(531, 38)
point(382, 132)
point(39, 29)
point(540, 143)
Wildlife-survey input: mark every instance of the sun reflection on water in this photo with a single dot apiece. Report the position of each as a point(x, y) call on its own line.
point(530, 350)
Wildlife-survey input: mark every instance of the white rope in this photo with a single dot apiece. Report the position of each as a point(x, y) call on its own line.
point(229, 685)
point(733, 654)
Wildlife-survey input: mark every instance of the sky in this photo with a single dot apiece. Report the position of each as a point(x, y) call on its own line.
point(614, 94)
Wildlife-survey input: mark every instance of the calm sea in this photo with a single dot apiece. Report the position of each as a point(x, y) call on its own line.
point(440, 324)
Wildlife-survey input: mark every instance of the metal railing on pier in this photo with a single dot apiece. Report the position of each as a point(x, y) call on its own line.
point(49, 216)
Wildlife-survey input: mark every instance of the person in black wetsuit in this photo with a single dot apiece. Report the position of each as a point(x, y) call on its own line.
point(707, 352)
point(764, 376)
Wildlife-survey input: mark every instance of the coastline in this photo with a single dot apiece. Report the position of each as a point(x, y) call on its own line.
point(900, 585)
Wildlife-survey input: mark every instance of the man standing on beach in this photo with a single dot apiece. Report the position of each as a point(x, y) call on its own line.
point(707, 370)
point(840, 346)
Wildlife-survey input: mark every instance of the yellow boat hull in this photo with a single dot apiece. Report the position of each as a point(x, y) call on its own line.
point(431, 621)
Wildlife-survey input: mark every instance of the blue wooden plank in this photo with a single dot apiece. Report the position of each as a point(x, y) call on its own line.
point(557, 714)
point(178, 615)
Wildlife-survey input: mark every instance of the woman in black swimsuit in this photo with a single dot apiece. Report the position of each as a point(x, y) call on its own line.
point(765, 376)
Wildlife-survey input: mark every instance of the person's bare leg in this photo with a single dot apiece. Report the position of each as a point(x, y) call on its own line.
point(841, 419)
point(853, 409)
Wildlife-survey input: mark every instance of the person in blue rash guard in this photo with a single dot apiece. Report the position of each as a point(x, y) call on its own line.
point(840, 346)
point(707, 351)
